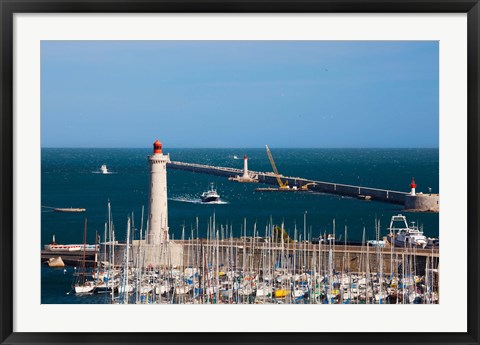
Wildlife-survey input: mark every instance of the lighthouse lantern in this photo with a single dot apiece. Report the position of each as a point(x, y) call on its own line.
point(157, 147)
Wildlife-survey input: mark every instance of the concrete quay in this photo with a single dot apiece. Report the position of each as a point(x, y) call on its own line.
point(419, 202)
point(237, 252)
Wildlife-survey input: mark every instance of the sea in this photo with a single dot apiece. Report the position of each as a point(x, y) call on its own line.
point(71, 177)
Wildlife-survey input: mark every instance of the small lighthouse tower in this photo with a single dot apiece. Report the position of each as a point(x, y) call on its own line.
point(245, 167)
point(413, 186)
point(158, 217)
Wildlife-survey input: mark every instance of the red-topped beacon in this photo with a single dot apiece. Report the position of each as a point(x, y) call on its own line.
point(413, 185)
point(157, 147)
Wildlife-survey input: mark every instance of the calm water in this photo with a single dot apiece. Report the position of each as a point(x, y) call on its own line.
point(71, 178)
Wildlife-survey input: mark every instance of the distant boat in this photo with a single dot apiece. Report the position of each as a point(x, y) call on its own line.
point(235, 157)
point(210, 195)
point(71, 209)
point(104, 169)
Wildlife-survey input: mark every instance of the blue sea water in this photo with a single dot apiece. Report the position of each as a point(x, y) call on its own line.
point(71, 178)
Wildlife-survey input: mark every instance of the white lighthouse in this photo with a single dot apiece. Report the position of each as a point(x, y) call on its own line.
point(245, 167)
point(158, 217)
point(413, 185)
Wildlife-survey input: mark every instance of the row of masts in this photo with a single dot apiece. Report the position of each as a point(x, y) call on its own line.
point(265, 268)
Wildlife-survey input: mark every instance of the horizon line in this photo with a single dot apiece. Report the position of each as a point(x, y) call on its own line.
point(235, 148)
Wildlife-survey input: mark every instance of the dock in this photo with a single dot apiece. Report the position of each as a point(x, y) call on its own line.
point(419, 202)
point(69, 258)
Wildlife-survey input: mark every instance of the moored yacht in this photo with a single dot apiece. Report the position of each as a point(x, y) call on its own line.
point(401, 235)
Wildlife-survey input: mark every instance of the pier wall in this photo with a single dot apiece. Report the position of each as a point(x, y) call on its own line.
point(241, 255)
point(390, 196)
point(310, 257)
point(238, 254)
point(423, 202)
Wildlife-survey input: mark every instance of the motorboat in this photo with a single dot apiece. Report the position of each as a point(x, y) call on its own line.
point(402, 235)
point(104, 169)
point(85, 288)
point(375, 243)
point(433, 242)
point(54, 247)
point(210, 195)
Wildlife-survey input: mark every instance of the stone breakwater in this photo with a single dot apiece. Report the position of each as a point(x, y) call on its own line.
point(419, 202)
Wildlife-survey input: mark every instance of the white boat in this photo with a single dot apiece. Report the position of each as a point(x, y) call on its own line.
point(63, 247)
point(54, 247)
point(432, 242)
point(104, 169)
point(82, 285)
point(375, 243)
point(85, 287)
point(263, 290)
point(106, 285)
point(210, 195)
point(401, 235)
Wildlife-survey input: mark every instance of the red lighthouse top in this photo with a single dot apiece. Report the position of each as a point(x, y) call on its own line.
point(157, 147)
point(413, 185)
point(244, 156)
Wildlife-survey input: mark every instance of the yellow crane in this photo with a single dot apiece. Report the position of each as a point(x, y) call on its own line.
point(281, 184)
point(305, 186)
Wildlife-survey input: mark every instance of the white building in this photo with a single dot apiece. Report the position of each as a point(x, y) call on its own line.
point(158, 216)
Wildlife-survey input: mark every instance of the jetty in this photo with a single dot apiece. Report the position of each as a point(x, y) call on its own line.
point(418, 202)
point(70, 258)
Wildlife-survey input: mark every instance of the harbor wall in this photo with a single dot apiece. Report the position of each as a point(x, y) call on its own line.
point(241, 255)
point(311, 257)
point(238, 254)
point(423, 202)
point(384, 195)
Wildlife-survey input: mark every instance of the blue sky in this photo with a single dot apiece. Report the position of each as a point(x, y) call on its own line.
point(239, 93)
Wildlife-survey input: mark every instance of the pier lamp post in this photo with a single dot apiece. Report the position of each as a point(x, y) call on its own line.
point(305, 225)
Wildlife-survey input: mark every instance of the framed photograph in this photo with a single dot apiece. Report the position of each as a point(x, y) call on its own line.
point(253, 172)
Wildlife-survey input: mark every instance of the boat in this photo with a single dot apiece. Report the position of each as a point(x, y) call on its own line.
point(70, 209)
point(432, 242)
point(210, 195)
point(375, 243)
point(54, 247)
point(84, 286)
point(63, 247)
point(401, 235)
point(104, 169)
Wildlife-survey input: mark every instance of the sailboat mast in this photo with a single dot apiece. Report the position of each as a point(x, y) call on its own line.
point(84, 251)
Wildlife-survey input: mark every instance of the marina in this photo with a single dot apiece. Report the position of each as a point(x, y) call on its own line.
point(265, 265)
point(269, 269)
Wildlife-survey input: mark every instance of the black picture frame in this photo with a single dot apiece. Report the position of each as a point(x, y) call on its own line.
point(9, 8)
